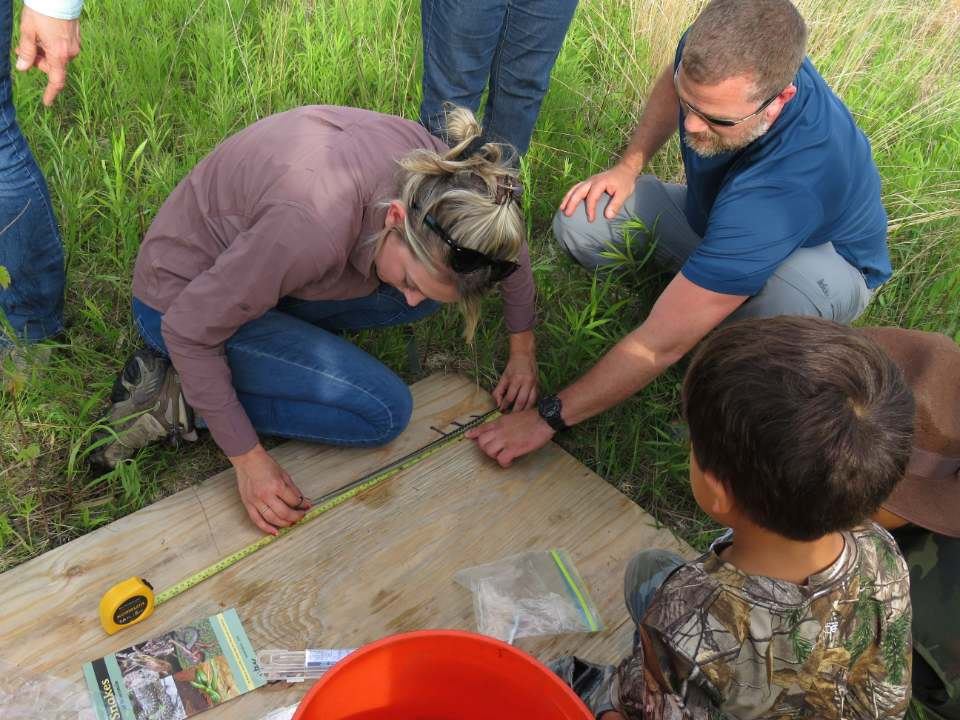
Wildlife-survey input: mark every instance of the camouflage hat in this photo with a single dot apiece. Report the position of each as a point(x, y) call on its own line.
point(929, 494)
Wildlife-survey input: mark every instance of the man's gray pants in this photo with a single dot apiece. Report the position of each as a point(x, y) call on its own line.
point(811, 281)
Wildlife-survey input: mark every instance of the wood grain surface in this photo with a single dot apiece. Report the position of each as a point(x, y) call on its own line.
point(380, 564)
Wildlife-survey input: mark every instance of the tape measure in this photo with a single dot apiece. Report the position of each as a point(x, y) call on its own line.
point(134, 600)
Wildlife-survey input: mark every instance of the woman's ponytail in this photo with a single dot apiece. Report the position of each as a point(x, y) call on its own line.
point(470, 191)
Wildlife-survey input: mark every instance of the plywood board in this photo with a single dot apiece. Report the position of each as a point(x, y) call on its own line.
point(382, 563)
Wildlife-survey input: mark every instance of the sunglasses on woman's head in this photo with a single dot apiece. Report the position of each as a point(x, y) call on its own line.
point(464, 261)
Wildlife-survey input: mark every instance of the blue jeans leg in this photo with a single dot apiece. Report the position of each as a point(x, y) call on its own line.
point(382, 308)
point(30, 246)
point(459, 41)
point(533, 33)
point(510, 44)
point(296, 378)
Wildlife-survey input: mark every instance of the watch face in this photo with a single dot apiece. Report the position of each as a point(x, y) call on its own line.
point(550, 408)
point(551, 405)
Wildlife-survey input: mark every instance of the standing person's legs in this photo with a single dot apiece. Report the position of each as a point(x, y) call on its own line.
point(531, 38)
point(657, 205)
point(30, 246)
point(459, 41)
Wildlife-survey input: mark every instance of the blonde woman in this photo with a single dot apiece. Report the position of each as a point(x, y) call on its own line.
point(306, 224)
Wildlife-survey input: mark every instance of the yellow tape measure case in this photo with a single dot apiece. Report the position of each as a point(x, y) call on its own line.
point(126, 603)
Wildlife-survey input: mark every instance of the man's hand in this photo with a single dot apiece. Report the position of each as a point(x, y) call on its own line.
point(510, 436)
point(618, 182)
point(611, 715)
point(269, 495)
point(49, 44)
point(518, 384)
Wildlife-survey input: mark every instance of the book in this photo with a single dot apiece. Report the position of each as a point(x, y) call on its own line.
point(176, 675)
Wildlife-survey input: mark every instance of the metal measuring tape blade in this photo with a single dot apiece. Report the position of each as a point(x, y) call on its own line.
point(134, 600)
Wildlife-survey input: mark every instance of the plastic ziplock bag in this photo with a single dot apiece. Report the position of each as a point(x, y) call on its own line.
point(285, 713)
point(299, 665)
point(534, 593)
point(25, 695)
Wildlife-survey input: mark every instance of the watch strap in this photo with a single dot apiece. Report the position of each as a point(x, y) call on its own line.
point(550, 409)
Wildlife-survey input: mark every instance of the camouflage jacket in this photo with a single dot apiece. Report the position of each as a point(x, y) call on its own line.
point(717, 642)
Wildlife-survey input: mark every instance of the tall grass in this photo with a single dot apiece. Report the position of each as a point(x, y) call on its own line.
point(160, 83)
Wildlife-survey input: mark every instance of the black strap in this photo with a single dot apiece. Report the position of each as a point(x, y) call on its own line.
point(473, 147)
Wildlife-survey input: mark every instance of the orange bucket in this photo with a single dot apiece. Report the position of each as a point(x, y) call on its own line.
point(440, 675)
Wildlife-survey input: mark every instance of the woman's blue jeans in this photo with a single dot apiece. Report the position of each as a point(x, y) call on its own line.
point(30, 247)
point(297, 378)
point(512, 44)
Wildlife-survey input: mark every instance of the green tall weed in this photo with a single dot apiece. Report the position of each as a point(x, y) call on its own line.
point(160, 83)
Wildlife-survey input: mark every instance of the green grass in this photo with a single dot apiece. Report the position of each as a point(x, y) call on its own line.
point(160, 83)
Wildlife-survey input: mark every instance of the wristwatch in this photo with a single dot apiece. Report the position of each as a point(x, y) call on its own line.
point(549, 408)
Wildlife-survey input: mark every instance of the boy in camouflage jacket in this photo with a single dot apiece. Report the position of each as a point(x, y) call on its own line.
point(799, 431)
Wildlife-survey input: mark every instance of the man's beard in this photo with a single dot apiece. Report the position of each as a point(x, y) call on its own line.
point(708, 143)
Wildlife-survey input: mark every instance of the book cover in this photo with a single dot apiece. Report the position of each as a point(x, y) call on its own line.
point(176, 675)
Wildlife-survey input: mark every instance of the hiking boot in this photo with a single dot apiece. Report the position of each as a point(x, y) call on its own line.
point(147, 405)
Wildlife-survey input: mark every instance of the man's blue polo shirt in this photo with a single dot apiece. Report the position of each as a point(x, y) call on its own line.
point(810, 179)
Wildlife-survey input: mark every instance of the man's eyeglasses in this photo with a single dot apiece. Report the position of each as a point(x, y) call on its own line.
point(719, 122)
point(464, 261)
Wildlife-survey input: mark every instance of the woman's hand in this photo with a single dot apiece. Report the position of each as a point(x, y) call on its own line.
point(270, 496)
point(518, 384)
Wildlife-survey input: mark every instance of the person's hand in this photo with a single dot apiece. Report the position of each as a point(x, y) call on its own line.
point(269, 495)
point(518, 384)
point(49, 44)
point(618, 182)
point(611, 715)
point(510, 436)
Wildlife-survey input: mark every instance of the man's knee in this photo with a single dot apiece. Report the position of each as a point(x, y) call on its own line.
point(583, 240)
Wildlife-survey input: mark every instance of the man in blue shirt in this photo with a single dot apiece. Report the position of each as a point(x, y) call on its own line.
point(781, 213)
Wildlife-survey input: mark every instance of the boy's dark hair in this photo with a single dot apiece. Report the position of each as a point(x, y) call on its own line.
point(808, 423)
point(763, 39)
